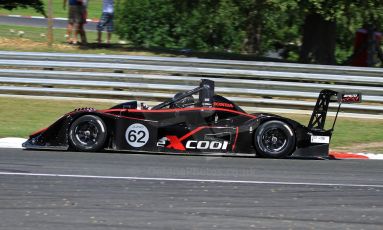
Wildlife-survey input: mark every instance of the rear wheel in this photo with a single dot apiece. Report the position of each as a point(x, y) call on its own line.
point(88, 133)
point(274, 139)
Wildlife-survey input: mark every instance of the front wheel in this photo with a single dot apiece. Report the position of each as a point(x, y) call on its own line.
point(88, 133)
point(274, 139)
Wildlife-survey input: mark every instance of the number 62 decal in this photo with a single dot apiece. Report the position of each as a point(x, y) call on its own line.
point(137, 135)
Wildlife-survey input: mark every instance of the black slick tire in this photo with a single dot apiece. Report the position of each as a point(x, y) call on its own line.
point(274, 139)
point(88, 134)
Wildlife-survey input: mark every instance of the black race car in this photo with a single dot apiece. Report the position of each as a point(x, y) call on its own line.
point(209, 124)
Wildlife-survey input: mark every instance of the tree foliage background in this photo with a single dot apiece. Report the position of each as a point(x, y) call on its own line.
point(309, 31)
point(314, 31)
point(12, 4)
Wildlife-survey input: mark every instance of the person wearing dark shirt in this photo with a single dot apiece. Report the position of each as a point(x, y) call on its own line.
point(76, 21)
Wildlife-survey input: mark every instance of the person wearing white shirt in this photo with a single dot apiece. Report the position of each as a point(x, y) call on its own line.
point(106, 20)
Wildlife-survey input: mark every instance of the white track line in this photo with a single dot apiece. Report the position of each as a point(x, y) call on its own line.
point(189, 180)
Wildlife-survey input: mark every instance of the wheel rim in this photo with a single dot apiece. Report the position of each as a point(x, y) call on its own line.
point(86, 133)
point(274, 140)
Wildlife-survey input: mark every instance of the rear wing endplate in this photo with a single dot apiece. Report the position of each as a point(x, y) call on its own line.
point(349, 98)
point(318, 117)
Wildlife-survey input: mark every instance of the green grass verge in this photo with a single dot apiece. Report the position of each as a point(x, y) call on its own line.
point(38, 34)
point(33, 41)
point(94, 10)
point(21, 117)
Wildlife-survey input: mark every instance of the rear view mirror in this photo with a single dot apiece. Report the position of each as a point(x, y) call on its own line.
point(349, 98)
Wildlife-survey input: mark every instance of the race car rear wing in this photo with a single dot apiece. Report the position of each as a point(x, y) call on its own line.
point(318, 117)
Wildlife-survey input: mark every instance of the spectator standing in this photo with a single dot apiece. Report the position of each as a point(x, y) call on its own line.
point(367, 47)
point(85, 10)
point(75, 21)
point(85, 17)
point(106, 20)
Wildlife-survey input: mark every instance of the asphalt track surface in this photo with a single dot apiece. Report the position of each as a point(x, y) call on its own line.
point(66, 190)
point(37, 22)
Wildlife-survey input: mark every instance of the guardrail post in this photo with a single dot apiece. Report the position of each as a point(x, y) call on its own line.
point(50, 23)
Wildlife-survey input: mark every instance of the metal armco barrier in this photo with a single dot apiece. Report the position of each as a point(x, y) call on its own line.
point(248, 83)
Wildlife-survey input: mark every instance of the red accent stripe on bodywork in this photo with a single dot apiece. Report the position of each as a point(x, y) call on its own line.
point(193, 132)
point(132, 118)
point(236, 138)
point(175, 142)
point(38, 131)
point(177, 110)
